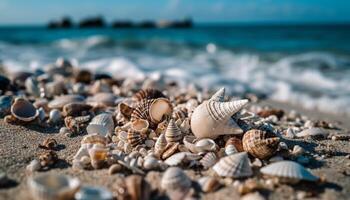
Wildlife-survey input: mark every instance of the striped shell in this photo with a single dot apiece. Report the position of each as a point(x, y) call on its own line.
point(211, 119)
point(219, 95)
point(94, 139)
point(237, 142)
point(134, 138)
point(260, 144)
point(153, 110)
point(170, 149)
point(160, 144)
point(173, 132)
point(148, 94)
point(288, 171)
point(230, 149)
point(209, 184)
point(180, 113)
point(235, 166)
point(23, 110)
point(174, 178)
point(208, 160)
point(140, 125)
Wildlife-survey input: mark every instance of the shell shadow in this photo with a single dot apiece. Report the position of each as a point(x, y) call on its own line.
point(59, 164)
point(41, 129)
point(9, 184)
point(317, 188)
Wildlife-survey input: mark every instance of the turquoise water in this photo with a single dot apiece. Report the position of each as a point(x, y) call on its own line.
point(307, 65)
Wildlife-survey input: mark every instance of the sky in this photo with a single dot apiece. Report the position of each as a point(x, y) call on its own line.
point(41, 11)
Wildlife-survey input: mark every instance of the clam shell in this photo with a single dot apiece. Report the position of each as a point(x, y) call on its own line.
point(23, 110)
point(61, 101)
point(209, 184)
point(208, 160)
point(52, 186)
point(93, 193)
point(174, 178)
point(125, 110)
point(313, 132)
point(140, 125)
point(102, 124)
point(154, 110)
point(106, 99)
point(173, 132)
point(148, 94)
point(219, 95)
point(236, 166)
point(180, 158)
point(260, 144)
point(211, 119)
point(135, 138)
point(160, 144)
point(288, 171)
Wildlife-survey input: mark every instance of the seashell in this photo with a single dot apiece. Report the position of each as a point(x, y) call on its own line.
point(55, 116)
point(102, 124)
point(180, 158)
point(151, 163)
point(93, 193)
point(260, 144)
point(160, 145)
point(131, 167)
point(180, 113)
point(173, 133)
point(49, 143)
point(140, 125)
point(76, 109)
point(174, 178)
point(236, 142)
point(79, 88)
point(23, 110)
point(106, 99)
point(115, 168)
point(288, 171)
point(289, 133)
point(48, 158)
point(125, 110)
point(161, 127)
point(219, 95)
point(211, 119)
point(135, 138)
point(55, 88)
point(53, 186)
point(313, 132)
point(170, 149)
point(209, 184)
point(230, 149)
point(201, 145)
point(235, 166)
point(149, 143)
point(61, 101)
point(33, 166)
point(208, 160)
point(137, 188)
point(98, 156)
point(148, 94)
point(5, 105)
point(154, 110)
point(185, 126)
point(94, 139)
point(32, 86)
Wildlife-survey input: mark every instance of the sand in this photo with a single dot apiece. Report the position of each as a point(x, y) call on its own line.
point(19, 145)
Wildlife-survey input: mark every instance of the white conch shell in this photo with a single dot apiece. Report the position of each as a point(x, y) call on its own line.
point(236, 166)
point(211, 119)
point(102, 124)
point(219, 95)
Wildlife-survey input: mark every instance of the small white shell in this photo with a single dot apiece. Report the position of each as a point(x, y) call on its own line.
point(230, 149)
point(201, 145)
point(313, 132)
point(208, 160)
point(32, 86)
point(174, 178)
point(236, 166)
point(289, 171)
point(102, 124)
point(53, 186)
point(181, 157)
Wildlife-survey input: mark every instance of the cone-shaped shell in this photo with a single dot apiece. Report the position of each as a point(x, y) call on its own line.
point(211, 119)
point(23, 110)
point(289, 170)
point(173, 132)
point(219, 95)
point(174, 178)
point(134, 138)
point(102, 124)
point(208, 160)
point(235, 166)
point(260, 144)
point(53, 186)
point(160, 144)
point(153, 110)
point(148, 94)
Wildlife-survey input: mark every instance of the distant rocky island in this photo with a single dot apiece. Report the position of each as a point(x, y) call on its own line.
point(99, 22)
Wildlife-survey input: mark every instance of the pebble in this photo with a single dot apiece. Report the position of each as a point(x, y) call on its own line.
point(115, 168)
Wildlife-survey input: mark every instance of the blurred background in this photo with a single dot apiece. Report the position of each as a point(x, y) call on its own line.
point(294, 51)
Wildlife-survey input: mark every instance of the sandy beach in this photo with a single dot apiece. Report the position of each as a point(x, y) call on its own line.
point(19, 145)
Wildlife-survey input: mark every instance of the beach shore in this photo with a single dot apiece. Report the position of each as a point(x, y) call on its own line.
point(19, 145)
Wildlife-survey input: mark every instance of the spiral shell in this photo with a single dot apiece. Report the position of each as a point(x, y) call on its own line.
point(211, 119)
point(23, 110)
point(153, 110)
point(235, 166)
point(134, 138)
point(219, 95)
point(160, 145)
point(260, 144)
point(174, 178)
point(148, 94)
point(173, 132)
point(208, 160)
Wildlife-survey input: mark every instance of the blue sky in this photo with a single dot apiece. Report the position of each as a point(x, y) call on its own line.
point(40, 11)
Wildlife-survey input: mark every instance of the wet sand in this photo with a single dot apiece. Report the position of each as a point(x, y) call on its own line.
point(19, 145)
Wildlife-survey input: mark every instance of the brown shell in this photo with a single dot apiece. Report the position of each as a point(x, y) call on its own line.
point(137, 188)
point(125, 110)
point(235, 142)
point(260, 144)
point(134, 138)
point(148, 94)
point(170, 149)
point(48, 158)
point(76, 109)
point(48, 143)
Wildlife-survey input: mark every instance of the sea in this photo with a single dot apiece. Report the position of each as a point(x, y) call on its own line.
point(307, 65)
